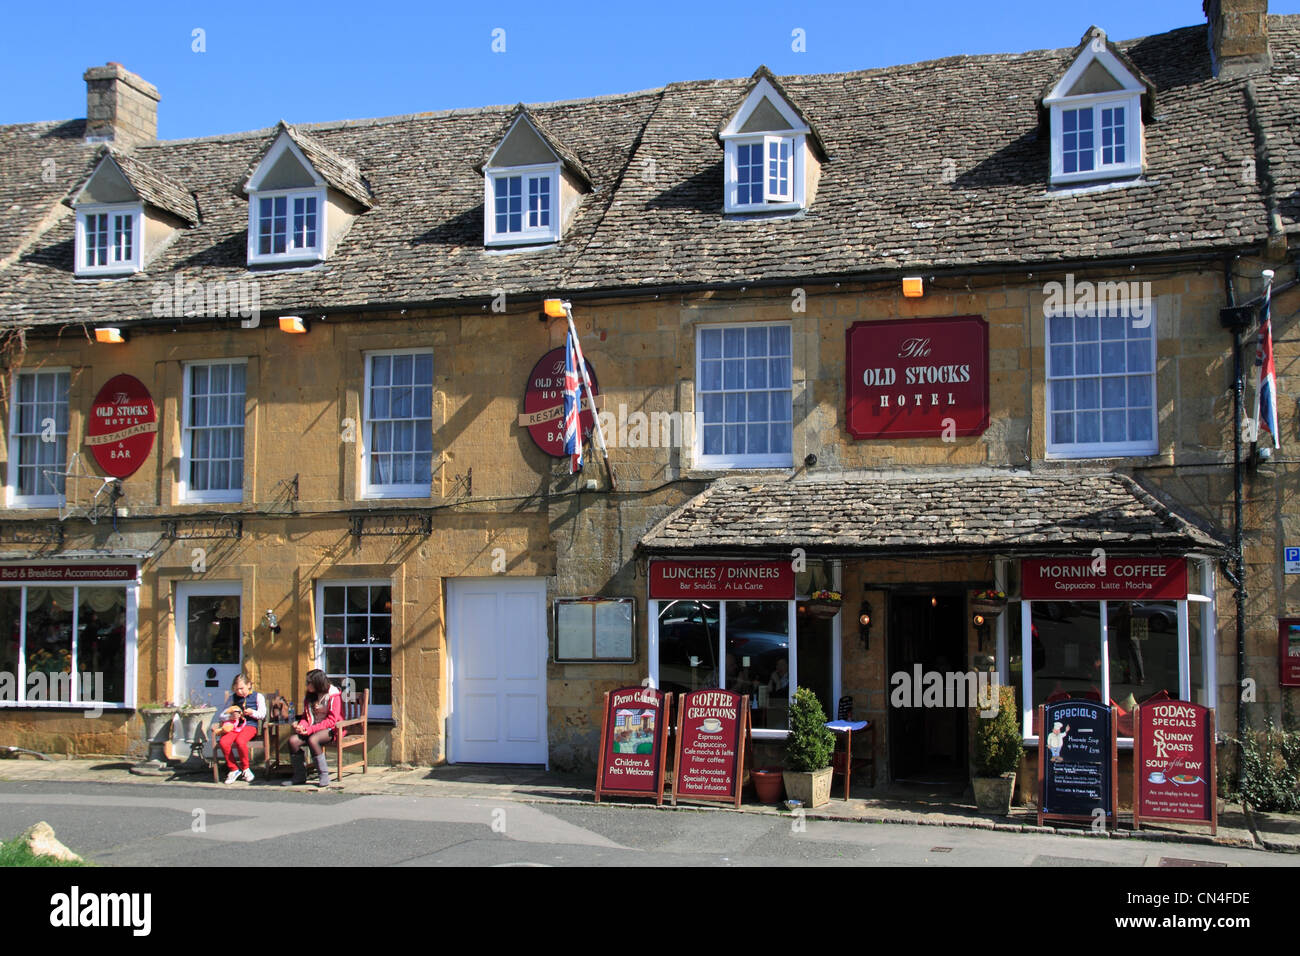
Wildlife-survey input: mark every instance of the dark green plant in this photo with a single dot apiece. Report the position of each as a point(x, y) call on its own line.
point(1270, 760)
point(810, 744)
point(998, 746)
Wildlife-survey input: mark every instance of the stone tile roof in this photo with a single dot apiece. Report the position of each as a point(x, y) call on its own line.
point(338, 172)
point(1000, 511)
point(567, 156)
point(653, 217)
point(151, 186)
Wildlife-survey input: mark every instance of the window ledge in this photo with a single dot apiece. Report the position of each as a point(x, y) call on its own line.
point(1075, 187)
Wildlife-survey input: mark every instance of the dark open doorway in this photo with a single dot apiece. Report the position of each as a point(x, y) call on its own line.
point(927, 744)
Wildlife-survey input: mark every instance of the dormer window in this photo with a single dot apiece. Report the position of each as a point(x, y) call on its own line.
point(770, 149)
point(288, 225)
point(532, 185)
point(523, 205)
point(126, 211)
point(108, 239)
point(302, 197)
point(1096, 112)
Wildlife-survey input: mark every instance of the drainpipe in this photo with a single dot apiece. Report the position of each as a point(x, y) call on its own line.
point(1235, 319)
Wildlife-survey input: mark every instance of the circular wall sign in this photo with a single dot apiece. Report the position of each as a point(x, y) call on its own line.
point(122, 424)
point(544, 403)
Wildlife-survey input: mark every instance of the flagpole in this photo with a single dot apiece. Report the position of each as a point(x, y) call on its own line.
point(586, 387)
point(1259, 364)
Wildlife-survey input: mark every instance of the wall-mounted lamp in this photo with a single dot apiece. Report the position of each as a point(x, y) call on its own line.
point(110, 336)
point(934, 601)
point(555, 308)
point(294, 324)
point(913, 287)
point(864, 625)
point(981, 627)
point(271, 621)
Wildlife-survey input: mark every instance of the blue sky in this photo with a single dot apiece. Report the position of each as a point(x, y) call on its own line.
point(262, 64)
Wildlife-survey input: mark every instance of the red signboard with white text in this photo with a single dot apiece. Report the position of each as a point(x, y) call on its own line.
point(632, 738)
point(1111, 578)
point(722, 580)
point(544, 403)
point(84, 573)
point(711, 739)
point(1173, 763)
point(1288, 651)
point(917, 378)
point(121, 427)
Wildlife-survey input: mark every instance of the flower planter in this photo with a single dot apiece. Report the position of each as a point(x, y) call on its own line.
point(989, 607)
point(769, 785)
point(823, 609)
point(194, 724)
point(993, 794)
point(157, 731)
point(811, 789)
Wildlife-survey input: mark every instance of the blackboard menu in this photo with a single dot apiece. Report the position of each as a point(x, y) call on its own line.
point(1076, 760)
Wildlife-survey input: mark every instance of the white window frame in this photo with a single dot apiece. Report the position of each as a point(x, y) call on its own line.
point(1132, 166)
point(377, 711)
point(187, 436)
point(724, 461)
point(1203, 604)
point(792, 199)
point(527, 234)
point(129, 655)
point(12, 497)
point(114, 265)
point(291, 253)
point(366, 443)
point(1100, 449)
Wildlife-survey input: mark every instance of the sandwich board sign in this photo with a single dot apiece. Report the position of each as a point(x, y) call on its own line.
point(712, 737)
point(633, 734)
point(1174, 764)
point(1076, 761)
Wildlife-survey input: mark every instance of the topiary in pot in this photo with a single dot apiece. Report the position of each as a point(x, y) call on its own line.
point(808, 751)
point(998, 750)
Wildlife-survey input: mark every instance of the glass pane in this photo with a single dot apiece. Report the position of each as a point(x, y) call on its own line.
point(1062, 360)
point(1066, 642)
point(10, 630)
point(212, 629)
point(1143, 639)
point(1063, 429)
point(49, 643)
point(101, 644)
point(758, 659)
point(1114, 426)
point(813, 651)
point(711, 343)
point(1062, 396)
point(688, 645)
point(711, 375)
point(333, 629)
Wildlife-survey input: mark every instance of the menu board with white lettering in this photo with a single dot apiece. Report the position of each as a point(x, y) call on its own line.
point(711, 734)
point(1076, 761)
point(632, 748)
point(1173, 763)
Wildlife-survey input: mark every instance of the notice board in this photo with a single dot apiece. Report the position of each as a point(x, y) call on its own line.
point(712, 737)
point(1076, 761)
point(1174, 764)
point(632, 750)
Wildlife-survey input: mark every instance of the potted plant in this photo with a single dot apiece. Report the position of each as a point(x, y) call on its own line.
point(824, 604)
point(808, 751)
point(990, 602)
point(195, 715)
point(157, 730)
point(998, 750)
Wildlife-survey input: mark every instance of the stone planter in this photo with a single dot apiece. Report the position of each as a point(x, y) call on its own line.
point(811, 789)
point(769, 785)
point(157, 731)
point(993, 794)
point(194, 726)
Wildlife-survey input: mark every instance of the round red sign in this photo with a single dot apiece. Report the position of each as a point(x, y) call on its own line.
point(122, 424)
point(544, 403)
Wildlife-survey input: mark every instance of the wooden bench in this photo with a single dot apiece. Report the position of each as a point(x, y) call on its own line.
point(356, 712)
point(260, 743)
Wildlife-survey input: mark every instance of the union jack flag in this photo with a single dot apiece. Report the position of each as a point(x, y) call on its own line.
point(1267, 373)
point(573, 402)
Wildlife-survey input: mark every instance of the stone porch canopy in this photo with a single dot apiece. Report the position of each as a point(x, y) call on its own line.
point(871, 514)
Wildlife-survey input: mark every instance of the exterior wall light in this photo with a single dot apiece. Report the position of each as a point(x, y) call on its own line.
point(270, 620)
point(913, 287)
point(864, 625)
point(294, 324)
point(110, 336)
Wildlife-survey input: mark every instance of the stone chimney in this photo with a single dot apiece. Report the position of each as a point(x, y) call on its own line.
point(121, 107)
point(1238, 36)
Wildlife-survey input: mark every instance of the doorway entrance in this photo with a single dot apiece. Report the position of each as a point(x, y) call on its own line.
point(927, 634)
point(209, 650)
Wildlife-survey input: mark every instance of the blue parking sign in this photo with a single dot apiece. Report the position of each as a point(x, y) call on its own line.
point(1291, 560)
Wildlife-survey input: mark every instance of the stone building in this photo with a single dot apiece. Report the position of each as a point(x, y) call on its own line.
point(905, 334)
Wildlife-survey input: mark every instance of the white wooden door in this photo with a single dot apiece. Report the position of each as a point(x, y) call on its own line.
point(208, 643)
point(497, 643)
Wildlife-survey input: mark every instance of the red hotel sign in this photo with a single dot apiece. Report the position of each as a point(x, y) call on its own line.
point(1112, 579)
point(123, 421)
point(917, 378)
point(722, 580)
point(544, 403)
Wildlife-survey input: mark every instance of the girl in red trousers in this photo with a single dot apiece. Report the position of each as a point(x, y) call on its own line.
point(322, 711)
point(234, 745)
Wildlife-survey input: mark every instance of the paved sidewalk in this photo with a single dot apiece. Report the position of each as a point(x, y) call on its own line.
point(1237, 826)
